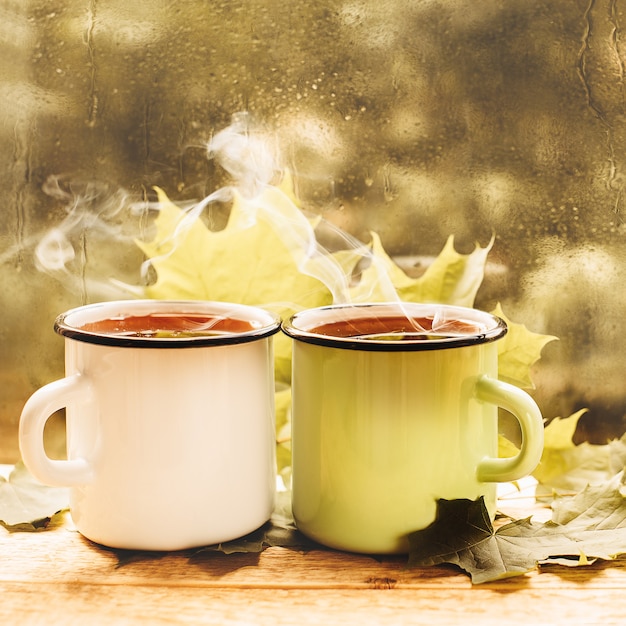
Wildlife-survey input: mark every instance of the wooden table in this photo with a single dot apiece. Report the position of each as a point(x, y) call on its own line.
point(56, 576)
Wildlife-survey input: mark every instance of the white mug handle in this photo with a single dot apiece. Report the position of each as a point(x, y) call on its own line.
point(36, 412)
point(527, 413)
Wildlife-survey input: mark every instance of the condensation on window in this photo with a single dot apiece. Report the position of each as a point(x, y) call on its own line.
point(416, 120)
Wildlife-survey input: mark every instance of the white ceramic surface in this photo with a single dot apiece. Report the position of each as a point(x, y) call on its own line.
point(168, 447)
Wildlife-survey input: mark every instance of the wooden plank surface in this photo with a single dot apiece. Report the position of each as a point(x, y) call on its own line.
point(83, 605)
point(58, 576)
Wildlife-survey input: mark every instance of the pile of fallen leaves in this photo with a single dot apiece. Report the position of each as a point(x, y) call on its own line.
point(585, 526)
point(268, 255)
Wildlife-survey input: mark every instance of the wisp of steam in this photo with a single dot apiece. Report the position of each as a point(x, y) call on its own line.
point(251, 158)
point(94, 212)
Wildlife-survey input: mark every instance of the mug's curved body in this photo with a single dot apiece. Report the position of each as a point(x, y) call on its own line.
point(170, 439)
point(385, 425)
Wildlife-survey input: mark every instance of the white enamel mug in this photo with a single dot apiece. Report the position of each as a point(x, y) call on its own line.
point(170, 433)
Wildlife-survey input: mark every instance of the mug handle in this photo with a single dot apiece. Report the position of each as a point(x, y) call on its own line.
point(38, 409)
point(527, 413)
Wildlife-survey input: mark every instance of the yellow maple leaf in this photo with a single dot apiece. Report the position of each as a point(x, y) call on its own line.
point(452, 278)
point(381, 278)
point(257, 259)
point(518, 351)
point(569, 467)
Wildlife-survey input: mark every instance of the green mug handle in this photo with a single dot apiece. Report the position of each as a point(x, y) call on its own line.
point(527, 413)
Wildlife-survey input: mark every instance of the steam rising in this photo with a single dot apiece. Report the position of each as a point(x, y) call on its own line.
point(251, 158)
point(248, 155)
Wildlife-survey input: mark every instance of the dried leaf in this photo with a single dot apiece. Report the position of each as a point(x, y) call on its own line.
point(452, 278)
point(518, 351)
point(463, 535)
point(381, 279)
point(617, 455)
point(250, 261)
point(568, 468)
point(280, 531)
point(588, 526)
point(28, 505)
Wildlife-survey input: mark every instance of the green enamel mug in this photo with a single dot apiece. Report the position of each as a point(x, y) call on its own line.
point(395, 406)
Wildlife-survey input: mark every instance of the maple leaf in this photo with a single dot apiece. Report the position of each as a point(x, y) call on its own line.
point(279, 531)
point(262, 257)
point(518, 351)
point(588, 526)
point(617, 454)
point(463, 535)
point(270, 535)
point(382, 277)
point(28, 505)
point(251, 261)
point(452, 278)
point(506, 448)
point(566, 467)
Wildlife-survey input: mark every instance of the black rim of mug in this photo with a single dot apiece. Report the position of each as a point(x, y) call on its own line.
point(493, 333)
point(63, 328)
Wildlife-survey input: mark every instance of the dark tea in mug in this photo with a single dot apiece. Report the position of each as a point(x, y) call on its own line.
point(391, 326)
point(169, 325)
point(162, 324)
point(397, 328)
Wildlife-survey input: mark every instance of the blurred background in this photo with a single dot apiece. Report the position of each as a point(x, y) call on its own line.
point(416, 119)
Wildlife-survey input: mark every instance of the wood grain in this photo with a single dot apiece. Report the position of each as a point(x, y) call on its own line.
point(58, 576)
point(86, 604)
